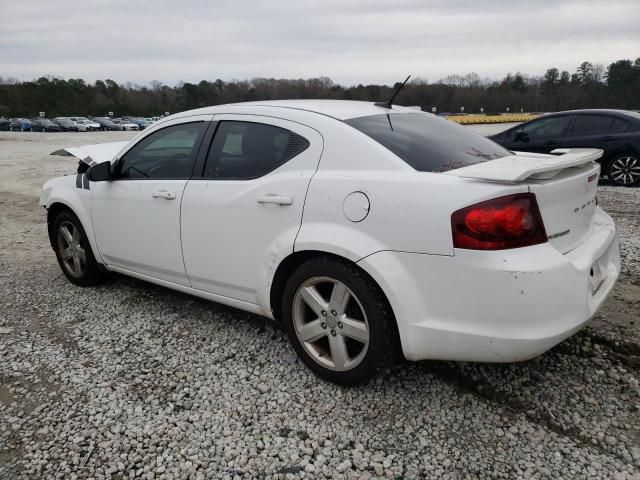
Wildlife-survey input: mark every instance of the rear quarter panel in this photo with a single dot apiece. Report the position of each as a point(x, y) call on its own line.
point(409, 211)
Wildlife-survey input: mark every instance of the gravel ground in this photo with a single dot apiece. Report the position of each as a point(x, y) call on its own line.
point(133, 380)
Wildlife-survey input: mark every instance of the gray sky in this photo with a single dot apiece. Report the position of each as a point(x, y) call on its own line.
point(350, 41)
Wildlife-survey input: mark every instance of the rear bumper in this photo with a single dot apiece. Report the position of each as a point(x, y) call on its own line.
point(501, 306)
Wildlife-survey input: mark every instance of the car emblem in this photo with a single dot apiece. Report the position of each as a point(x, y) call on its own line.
point(559, 234)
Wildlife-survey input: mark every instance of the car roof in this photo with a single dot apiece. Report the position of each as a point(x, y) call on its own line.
point(338, 109)
point(591, 111)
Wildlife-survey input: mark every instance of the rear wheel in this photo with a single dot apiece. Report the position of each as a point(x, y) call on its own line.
point(73, 251)
point(624, 170)
point(337, 320)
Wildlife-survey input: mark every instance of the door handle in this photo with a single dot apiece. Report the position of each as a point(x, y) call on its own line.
point(608, 138)
point(275, 199)
point(164, 194)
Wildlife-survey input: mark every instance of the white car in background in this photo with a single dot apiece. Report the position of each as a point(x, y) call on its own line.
point(88, 124)
point(125, 124)
point(361, 227)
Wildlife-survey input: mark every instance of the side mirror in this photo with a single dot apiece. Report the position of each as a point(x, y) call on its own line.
point(100, 172)
point(521, 136)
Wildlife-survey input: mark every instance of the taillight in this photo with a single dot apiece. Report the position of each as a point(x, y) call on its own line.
point(511, 221)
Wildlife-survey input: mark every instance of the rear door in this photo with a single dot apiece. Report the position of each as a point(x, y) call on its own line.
point(246, 207)
point(596, 131)
point(540, 136)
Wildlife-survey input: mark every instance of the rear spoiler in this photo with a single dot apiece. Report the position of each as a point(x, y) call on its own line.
point(522, 166)
point(93, 154)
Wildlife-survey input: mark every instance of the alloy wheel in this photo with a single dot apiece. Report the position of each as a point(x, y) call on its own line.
point(73, 255)
point(625, 170)
point(330, 323)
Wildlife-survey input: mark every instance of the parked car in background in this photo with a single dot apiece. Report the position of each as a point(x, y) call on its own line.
point(81, 126)
point(106, 123)
point(125, 124)
point(617, 132)
point(4, 124)
point(91, 125)
point(20, 125)
point(417, 233)
point(88, 124)
point(43, 125)
point(66, 124)
point(140, 122)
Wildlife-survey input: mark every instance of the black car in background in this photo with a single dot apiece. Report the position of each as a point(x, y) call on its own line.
point(65, 124)
point(4, 124)
point(106, 124)
point(43, 125)
point(617, 132)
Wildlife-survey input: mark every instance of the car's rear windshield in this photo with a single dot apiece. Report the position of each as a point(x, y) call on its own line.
point(428, 143)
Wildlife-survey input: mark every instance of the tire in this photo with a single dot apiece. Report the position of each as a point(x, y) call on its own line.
point(73, 251)
point(624, 169)
point(346, 345)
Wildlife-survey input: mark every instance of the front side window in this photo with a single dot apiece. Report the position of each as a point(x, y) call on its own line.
point(246, 150)
point(592, 124)
point(168, 153)
point(428, 143)
point(544, 127)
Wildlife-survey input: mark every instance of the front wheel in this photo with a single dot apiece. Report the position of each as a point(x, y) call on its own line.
point(624, 170)
point(337, 320)
point(73, 251)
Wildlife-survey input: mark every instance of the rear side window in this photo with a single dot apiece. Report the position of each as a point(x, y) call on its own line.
point(592, 123)
point(246, 150)
point(428, 143)
point(619, 125)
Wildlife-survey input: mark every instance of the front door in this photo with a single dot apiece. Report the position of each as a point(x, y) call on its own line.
point(248, 204)
point(136, 217)
point(541, 136)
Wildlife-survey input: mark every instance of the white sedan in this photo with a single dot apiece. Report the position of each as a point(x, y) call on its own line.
point(362, 228)
point(126, 125)
point(86, 123)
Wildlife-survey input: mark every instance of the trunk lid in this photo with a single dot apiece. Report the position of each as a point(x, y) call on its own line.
point(567, 204)
point(565, 187)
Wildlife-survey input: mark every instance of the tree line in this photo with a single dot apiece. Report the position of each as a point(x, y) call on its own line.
point(590, 86)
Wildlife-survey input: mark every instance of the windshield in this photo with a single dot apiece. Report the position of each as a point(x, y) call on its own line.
point(428, 143)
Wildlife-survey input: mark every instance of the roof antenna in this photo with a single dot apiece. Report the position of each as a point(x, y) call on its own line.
point(388, 103)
